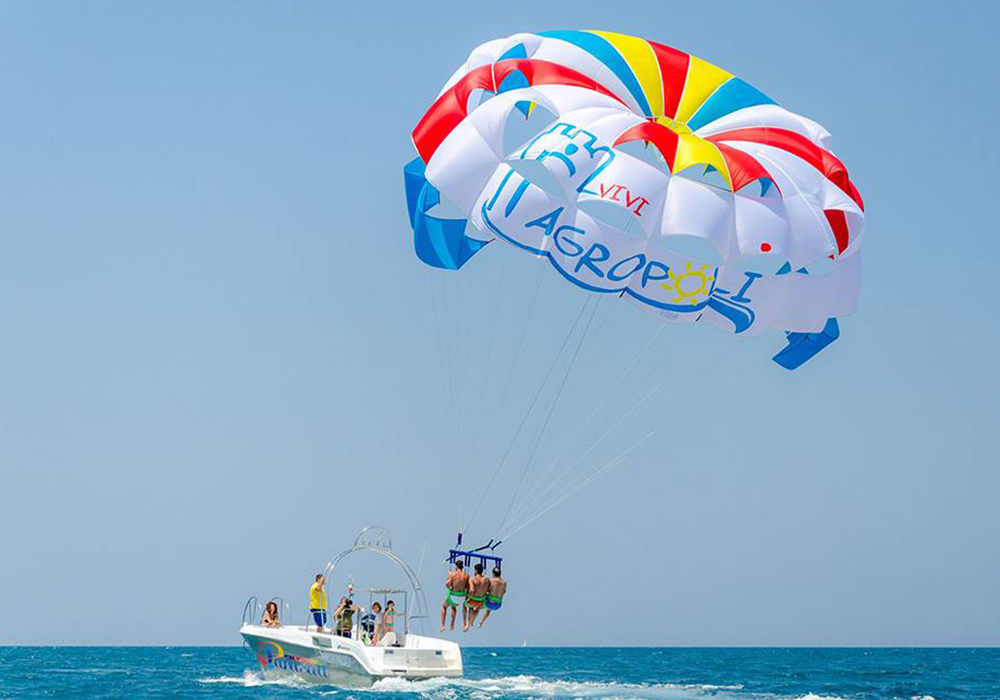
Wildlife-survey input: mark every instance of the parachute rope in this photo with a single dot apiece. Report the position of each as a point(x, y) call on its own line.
point(523, 336)
point(450, 352)
point(485, 370)
point(531, 405)
point(444, 348)
point(593, 477)
point(635, 407)
point(706, 369)
point(548, 415)
point(464, 525)
point(537, 492)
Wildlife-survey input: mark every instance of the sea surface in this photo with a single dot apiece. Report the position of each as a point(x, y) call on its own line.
point(593, 674)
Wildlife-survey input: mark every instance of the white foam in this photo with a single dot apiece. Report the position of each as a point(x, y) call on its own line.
point(249, 679)
point(538, 687)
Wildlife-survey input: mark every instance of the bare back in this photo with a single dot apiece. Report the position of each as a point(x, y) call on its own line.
point(457, 581)
point(498, 587)
point(478, 585)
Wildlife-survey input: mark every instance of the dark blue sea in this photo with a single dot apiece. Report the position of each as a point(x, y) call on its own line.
point(600, 674)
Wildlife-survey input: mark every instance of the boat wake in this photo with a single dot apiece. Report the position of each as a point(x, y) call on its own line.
point(522, 686)
point(252, 679)
point(534, 687)
point(525, 686)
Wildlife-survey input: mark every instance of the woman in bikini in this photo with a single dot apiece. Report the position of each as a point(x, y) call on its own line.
point(270, 618)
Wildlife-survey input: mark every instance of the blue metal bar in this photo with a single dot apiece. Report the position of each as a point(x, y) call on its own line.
point(468, 555)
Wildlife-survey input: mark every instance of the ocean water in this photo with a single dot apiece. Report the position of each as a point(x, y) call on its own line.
point(593, 674)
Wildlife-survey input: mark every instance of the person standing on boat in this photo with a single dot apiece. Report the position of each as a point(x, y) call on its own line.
point(478, 586)
point(494, 597)
point(457, 584)
point(317, 601)
point(378, 624)
point(389, 619)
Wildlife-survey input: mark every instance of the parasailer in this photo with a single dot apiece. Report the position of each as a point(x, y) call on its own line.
point(636, 170)
point(494, 597)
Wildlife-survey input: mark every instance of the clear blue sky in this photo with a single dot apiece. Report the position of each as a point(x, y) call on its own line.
point(216, 361)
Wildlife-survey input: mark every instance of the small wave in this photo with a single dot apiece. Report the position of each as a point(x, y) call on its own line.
point(535, 686)
point(249, 679)
point(91, 671)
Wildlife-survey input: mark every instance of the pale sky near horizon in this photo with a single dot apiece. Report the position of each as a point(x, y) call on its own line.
point(218, 355)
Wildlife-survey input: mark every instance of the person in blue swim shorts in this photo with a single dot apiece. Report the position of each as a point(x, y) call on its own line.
point(495, 594)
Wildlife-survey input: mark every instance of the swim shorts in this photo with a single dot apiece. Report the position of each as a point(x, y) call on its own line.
point(492, 602)
point(454, 598)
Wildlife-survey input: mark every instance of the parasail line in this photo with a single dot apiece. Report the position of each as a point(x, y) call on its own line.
point(539, 495)
point(593, 414)
point(524, 335)
point(477, 424)
point(548, 416)
point(444, 348)
point(452, 352)
point(621, 420)
point(524, 418)
point(705, 370)
point(603, 470)
point(506, 386)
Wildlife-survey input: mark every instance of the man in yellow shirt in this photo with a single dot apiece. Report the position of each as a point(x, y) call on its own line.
point(317, 602)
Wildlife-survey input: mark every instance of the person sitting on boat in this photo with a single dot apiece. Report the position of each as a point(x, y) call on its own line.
point(344, 615)
point(478, 586)
point(494, 597)
point(457, 584)
point(317, 601)
point(270, 618)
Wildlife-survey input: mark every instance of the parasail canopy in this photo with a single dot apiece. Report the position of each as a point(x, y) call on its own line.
point(637, 169)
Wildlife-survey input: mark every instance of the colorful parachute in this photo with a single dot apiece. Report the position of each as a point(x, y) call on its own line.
point(638, 169)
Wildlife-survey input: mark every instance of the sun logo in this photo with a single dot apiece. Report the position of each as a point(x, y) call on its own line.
point(691, 286)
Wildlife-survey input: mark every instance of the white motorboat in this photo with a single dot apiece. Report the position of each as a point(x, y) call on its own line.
point(352, 659)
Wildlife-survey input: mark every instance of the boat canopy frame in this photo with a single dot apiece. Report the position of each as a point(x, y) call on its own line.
point(377, 539)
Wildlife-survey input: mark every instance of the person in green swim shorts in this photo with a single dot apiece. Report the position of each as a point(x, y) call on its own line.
point(494, 597)
point(457, 585)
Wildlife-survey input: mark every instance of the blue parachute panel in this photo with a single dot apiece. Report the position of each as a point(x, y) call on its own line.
point(803, 346)
point(438, 242)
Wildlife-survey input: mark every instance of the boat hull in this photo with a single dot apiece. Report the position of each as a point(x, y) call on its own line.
point(328, 659)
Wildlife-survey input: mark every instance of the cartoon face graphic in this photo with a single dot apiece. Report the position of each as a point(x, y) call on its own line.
point(570, 155)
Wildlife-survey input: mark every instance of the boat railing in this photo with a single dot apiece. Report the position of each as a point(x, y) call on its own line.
point(310, 621)
point(253, 611)
point(250, 611)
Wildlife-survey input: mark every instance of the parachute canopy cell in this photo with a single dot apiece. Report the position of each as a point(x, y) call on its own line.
point(637, 169)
